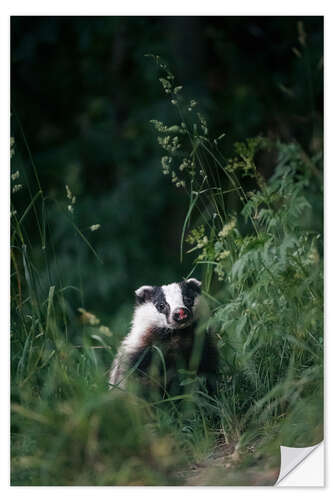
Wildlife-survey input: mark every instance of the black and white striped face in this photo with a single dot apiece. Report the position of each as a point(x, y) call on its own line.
point(174, 304)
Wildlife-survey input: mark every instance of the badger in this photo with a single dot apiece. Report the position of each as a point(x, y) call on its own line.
point(166, 332)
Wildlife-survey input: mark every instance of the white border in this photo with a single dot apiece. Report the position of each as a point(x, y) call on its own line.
point(142, 7)
point(169, 7)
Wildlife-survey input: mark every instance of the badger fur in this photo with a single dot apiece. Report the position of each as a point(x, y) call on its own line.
point(167, 318)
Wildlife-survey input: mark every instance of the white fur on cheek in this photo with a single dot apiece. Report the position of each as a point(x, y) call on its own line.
point(173, 296)
point(145, 317)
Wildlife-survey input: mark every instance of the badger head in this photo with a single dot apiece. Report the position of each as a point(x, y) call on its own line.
point(172, 306)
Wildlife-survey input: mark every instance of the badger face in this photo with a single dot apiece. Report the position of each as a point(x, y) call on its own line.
point(174, 306)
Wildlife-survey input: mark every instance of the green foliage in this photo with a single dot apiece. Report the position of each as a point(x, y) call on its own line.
point(263, 265)
point(67, 427)
point(84, 94)
point(256, 239)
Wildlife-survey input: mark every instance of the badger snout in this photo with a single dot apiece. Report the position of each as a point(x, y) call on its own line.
point(182, 315)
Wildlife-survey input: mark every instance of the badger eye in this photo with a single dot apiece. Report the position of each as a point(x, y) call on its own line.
point(161, 306)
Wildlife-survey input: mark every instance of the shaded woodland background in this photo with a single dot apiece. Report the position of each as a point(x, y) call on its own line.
point(83, 93)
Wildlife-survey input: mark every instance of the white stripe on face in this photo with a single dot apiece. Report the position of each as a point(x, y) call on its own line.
point(173, 296)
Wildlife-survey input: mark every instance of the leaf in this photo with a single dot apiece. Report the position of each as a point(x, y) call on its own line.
point(187, 381)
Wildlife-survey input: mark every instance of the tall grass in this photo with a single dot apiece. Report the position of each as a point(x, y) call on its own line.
point(262, 267)
point(258, 244)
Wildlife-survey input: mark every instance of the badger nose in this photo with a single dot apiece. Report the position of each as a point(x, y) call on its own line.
point(181, 314)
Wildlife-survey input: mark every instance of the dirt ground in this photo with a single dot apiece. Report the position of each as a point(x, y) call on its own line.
point(226, 467)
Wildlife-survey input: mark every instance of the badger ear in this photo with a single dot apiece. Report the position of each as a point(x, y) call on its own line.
point(195, 284)
point(143, 294)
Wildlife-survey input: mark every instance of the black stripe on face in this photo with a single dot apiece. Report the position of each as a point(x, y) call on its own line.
point(160, 302)
point(189, 293)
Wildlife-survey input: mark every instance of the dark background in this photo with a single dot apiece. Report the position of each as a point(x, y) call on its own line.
point(83, 94)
